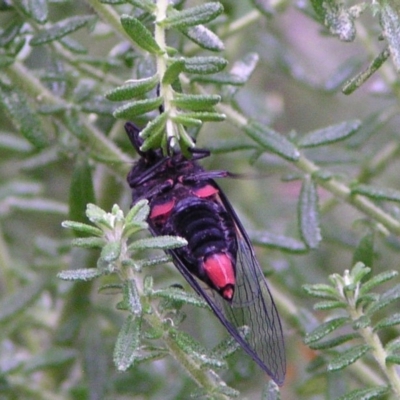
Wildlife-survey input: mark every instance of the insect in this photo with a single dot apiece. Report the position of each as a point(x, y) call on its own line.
point(219, 261)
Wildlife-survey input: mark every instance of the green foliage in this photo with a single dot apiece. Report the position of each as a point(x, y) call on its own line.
point(71, 73)
point(360, 307)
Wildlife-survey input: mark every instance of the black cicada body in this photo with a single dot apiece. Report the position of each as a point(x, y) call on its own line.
point(219, 261)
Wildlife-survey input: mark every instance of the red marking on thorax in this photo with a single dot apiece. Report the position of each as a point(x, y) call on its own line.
point(220, 271)
point(160, 210)
point(206, 191)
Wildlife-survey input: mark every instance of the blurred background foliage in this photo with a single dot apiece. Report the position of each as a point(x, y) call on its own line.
point(312, 215)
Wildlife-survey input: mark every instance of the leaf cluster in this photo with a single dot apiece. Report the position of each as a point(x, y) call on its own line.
point(351, 332)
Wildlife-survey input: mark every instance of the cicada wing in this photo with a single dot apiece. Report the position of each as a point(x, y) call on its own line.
point(253, 307)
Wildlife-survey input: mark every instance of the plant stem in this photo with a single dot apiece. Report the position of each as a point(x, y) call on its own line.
point(378, 351)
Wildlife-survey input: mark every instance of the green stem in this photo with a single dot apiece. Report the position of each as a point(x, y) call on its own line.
point(378, 351)
point(203, 378)
point(166, 91)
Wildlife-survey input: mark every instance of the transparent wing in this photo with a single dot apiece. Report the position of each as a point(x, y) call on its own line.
point(252, 306)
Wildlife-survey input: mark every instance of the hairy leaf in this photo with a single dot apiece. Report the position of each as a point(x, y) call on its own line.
point(140, 34)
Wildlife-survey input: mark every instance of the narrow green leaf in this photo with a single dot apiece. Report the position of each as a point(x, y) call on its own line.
point(377, 280)
point(393, 345)
point(348, 357)
point(223, 78)
point(140, 34)
point(375, 392)
point(81, 191)
point(84, 274)
point(132, 297)
point(376, 193)
point(365, 251)
point(38, 10)
point(187, 121)
point(226, 348)
point(193, 348)
point(154, 141)
point(24, 118)
point(393, 359)
point(361, 323)
point(194, 16)
point(127, 344)
point(160, 242)
point(332, 343)
point(354, 83)
point(321, 290)
point(196, 102)
point(271, 240)
point(133, 109)
point(324, 329)
point(205, 65)
point(359, 272)
point(20, 300)
point(89, 242)
point(79, 227)
point(392, 320)
point(60, 29)
point(308, 214)
point(154, 355)
point(172, 72)
point(205, 116)
point(180, 296)
point(155, 126)
point(152, 262)
point(330, 134)
point(204, 37)
point(96, 215)
point(139, 212)
point(366, 300)
point(329, 305)
point(390, 21)
point(272, 141)
point(387, 298)
point(131, 228)
point(132, 88)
